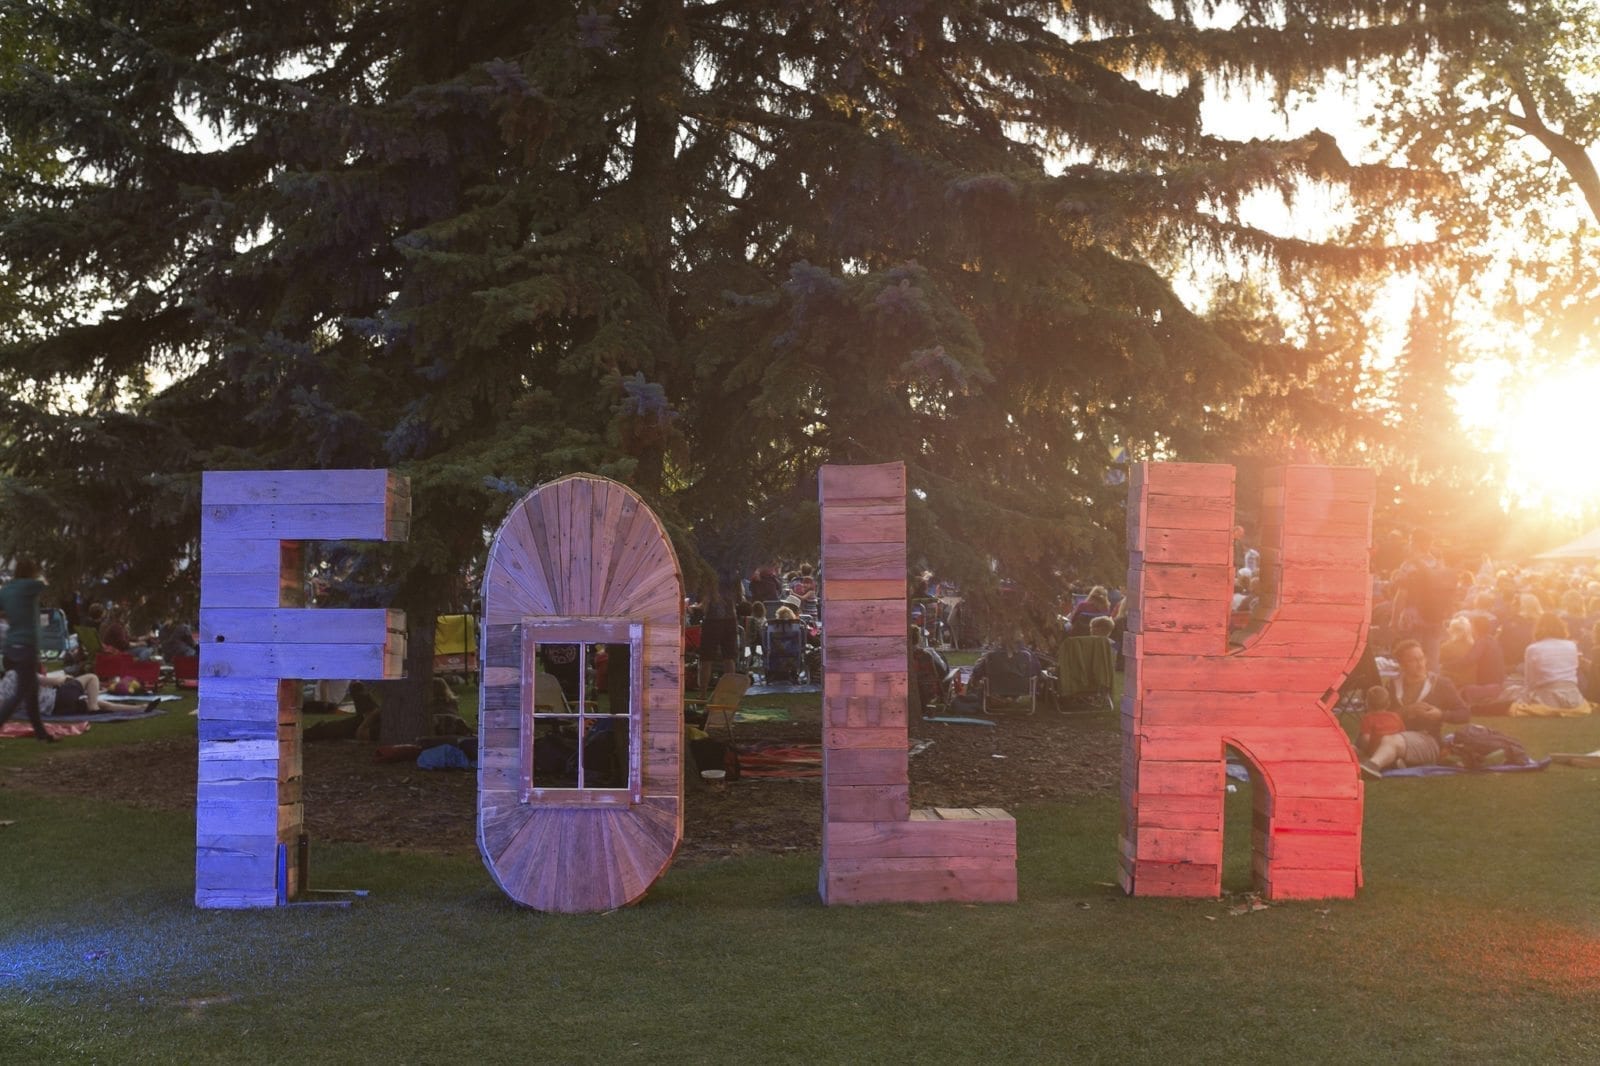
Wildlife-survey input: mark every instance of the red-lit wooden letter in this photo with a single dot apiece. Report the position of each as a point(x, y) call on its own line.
point(257, 642)
point(580, 792)
point(1188, 696)
point(875, 849)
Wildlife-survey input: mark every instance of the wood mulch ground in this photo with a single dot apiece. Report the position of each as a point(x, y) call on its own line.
point(1023, 760)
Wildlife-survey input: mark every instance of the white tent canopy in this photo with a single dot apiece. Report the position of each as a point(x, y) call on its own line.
point(1585, 547)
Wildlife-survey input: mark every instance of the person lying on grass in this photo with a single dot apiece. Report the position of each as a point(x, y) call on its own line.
point(63, 695)
point(1426, 701)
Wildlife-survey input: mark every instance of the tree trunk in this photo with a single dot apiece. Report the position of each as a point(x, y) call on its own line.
point(405, 702)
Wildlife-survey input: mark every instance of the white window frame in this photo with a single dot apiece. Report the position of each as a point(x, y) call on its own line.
point(583, 631)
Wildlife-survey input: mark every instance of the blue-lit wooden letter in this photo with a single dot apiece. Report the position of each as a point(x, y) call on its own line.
point(257, 643)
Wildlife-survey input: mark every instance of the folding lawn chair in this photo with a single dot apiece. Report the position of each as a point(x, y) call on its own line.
point(1086, 672)
point(723, 703)
point(785, 651)
point(1010, 678)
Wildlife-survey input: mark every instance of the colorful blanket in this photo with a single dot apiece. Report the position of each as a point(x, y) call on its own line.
point(761, 714)
point(772, 760)
point(15, 728)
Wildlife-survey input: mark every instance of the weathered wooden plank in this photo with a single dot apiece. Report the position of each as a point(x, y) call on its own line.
point(866, 562)
point(842, 590)
point(289, 522)
point(1351, 484)
point(317, 625)
point(304, 661)
point(865, 766)
point(883, 481)
point(1173, 581)
point(1186, 547)
point(864, 654)
point(1176, 879)
point(865, 803)
point(1183, 479)
point(863, 528)
point(300, 487)
point(869, 618)
point(951, 879)
point(253, 590)
point(1199, 673)
point(1184, 512)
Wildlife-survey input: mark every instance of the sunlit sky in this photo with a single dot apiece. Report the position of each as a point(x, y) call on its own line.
point(1539, 425)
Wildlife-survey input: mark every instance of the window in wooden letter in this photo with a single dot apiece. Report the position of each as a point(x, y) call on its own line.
point(581, 697)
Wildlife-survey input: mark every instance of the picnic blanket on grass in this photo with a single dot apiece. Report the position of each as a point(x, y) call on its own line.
point(761, 714)
point(108, 716)
point(1446, 771)
point(773, 760)
point(23, 729)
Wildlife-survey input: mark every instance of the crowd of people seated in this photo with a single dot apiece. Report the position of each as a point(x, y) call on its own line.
point(768, 623)
point(1483, 641)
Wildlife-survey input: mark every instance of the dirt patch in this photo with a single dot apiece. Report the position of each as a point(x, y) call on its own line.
point(1024, 759)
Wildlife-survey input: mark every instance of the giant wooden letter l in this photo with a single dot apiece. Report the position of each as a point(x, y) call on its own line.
point(1188, 696)
point(875, 849)
point(257, 642)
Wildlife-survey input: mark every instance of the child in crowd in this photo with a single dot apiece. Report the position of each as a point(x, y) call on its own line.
point(1378, 721)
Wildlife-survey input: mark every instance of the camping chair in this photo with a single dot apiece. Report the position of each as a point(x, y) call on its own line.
point(1086, 672)
point(785, 651)
point(723, 702)
point(933, 687)
point(88, 642)
point(52, 634)
point(550, 698)
point(1010, 678)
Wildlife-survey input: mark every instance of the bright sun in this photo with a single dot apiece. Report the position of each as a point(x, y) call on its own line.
point(1544, 430)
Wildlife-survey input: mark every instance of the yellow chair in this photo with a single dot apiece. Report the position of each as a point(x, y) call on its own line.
point(723, 703)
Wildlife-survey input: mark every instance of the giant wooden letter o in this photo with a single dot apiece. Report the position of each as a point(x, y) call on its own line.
point(578, 563)
point(1189, 696)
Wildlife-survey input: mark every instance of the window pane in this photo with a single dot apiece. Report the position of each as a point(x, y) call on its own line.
point(581, 690)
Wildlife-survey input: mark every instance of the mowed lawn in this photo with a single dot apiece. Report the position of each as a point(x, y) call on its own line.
point(1476, 938)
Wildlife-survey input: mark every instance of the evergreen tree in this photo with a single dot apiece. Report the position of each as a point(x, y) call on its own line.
point(701, 247)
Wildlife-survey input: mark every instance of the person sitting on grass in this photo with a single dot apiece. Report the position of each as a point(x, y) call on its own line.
point(1488, 663)
point(63, 695)
point(1549, 673)
point(1456, 658)
point(1377, 721)
point(1425, 701)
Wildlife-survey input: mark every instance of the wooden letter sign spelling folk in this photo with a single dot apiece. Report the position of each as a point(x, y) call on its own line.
point(875, 849)
point(1188, 696)
point(580, 788)
point(257, 642)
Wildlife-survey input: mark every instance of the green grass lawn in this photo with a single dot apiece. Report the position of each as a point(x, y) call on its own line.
point(1476, 938)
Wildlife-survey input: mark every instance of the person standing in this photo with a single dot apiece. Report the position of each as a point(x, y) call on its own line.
point(19, 599)
point(1426, 598)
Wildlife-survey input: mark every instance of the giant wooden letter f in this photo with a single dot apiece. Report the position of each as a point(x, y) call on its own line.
point(1189, 696)
point(257, 641)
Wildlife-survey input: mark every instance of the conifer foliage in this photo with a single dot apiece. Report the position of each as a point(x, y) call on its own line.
point(701, 247)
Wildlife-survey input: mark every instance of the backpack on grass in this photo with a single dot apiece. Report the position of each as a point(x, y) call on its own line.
point(1476, 746)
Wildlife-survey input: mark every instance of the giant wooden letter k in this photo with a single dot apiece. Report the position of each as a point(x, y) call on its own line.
point(1189, 697)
